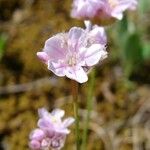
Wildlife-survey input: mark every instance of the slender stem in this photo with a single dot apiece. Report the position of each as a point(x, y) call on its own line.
point(89, 108)
point(75, 104)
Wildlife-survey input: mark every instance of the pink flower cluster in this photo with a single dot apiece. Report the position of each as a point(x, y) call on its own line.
point(51, 132)
point(101, 9)
point(73, 53)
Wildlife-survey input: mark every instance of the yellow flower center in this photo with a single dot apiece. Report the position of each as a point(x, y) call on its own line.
point(72, 61)
point(53, 119)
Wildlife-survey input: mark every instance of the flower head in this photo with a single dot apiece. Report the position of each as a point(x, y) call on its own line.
point(102, 10)
point(68, 54)
point(51, 132)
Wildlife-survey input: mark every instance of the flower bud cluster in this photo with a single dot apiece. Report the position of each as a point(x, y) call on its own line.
point(51, 132)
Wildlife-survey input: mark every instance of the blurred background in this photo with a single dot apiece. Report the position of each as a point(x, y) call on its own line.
point(120, 119)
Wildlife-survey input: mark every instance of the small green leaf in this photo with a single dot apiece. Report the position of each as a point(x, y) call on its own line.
point(123, 25)
point(3, 40)
point(144, 5)
point(133, 53)
point(146, 51)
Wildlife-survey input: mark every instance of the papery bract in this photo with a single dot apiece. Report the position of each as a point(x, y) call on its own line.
point(68, 54)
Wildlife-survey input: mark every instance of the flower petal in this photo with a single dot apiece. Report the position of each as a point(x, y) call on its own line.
point(98, 35)
point(42, 112)
point(67, 122)
point(42, 56)
point(34, 144)
point(55, 47)
point(94, 54)
point(37, 134)
point(57, 68)
point(118, 15)
point(63, 131)
point(45, 143)
point(76, 73)
point(45, 123)
point(88, 25)
point(123, 5)
point(74, 38)
point(85, 9)
point(58, 113)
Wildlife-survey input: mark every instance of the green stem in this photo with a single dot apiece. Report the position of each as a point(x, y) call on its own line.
point(89, 108)
point(76, 114)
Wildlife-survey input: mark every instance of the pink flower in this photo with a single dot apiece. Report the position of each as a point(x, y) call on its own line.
point(103, 10)
point(52, 131)
point(68, 54)
point(86, 8)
